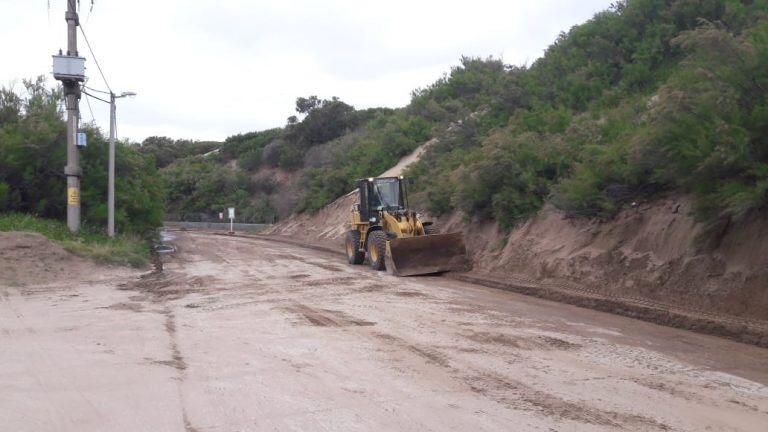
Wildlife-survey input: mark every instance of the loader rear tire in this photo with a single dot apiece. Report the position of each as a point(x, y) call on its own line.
point(352, 245)
point(377, 249)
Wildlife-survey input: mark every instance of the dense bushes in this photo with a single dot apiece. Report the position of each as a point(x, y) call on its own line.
point(248, 149)
point(33, 155)
point(324, 120)
point(647, 96)
point(367, 152)
point(199, 188)
point(166, 150)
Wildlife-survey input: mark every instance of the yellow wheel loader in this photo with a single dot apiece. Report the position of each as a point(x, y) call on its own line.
point(394, 238)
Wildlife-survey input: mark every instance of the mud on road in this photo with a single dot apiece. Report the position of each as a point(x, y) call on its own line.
point(246, 334)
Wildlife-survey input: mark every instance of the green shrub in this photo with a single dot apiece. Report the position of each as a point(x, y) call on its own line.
point(32, 154)
point(647, 96)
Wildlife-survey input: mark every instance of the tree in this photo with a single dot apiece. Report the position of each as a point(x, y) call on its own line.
point(305, 105)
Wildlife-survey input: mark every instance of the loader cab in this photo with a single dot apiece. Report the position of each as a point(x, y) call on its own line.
point(382, 193)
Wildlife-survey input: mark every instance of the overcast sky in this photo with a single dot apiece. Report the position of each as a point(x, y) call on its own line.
point(206, 69)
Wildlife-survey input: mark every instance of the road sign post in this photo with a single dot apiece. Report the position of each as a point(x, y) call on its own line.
point(231, 220)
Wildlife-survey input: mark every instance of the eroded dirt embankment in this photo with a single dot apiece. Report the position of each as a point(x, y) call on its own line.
point(650, 251)
point(30, 258)
point(645, 263)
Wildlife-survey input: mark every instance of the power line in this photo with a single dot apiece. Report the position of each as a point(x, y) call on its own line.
point(88, 101)
point(96, 60)
point(82, 30)
point(96, 90)
point(96, 97)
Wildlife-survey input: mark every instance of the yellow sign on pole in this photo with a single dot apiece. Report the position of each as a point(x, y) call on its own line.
point(73, 197)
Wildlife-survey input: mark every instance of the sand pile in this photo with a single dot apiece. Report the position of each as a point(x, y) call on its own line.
point(30, 258)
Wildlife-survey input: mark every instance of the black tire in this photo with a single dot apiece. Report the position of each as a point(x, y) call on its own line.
point(352, 246)
point(431, 229)
point(377, 249)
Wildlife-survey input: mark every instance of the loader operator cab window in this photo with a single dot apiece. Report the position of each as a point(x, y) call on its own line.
point(385, 194)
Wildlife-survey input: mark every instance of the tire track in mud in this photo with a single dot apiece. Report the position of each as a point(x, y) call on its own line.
point(515, 394)
point(483, 380)
point(178, 362)
point(326, 317)
point(160, 287)
point(745, 330)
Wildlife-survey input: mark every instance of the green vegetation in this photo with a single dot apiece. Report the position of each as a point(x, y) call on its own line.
point(88, 243)
point(648, 96)
point(331, 146)
point(166, 150)
point(200, 187)
point(248, 149)
point(33, 155)
point(368, 151)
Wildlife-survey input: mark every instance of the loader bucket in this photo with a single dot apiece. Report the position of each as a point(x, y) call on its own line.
point(408, 256)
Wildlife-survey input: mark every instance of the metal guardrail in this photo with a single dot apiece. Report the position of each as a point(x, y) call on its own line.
point(223, 226)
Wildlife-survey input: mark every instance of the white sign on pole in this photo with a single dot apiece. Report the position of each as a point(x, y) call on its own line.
point(231, 220)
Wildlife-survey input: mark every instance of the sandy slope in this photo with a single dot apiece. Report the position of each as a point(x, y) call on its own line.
point(648, 251)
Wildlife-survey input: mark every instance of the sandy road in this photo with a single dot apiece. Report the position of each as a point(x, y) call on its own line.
point(243, 334)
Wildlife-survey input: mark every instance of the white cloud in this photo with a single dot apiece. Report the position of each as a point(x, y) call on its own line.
point(210, 69)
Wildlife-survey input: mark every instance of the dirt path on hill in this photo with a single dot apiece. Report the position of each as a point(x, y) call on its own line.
point(247, 334)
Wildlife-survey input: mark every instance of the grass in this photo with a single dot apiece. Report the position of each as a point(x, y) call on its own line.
point(124, 250)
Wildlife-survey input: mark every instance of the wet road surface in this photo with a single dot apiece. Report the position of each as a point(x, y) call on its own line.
point(245, 334)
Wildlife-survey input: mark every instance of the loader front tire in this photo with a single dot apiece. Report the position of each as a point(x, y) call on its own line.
point(377, 249)
point(352, 245)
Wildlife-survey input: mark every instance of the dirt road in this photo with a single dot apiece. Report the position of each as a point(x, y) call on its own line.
point(243, 334)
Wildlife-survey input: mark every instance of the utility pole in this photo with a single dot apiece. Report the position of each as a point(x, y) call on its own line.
point(111, 168)
point(72, 92)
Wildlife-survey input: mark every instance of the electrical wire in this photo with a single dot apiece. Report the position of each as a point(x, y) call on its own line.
point(96, 60)
point(88, 101)
point(96, 90)
point(96, 97)
point(90, 11)
point(98, 66)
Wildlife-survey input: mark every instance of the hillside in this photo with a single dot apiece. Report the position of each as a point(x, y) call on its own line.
point(647, 97)
point(630, 161)
point(272, 174)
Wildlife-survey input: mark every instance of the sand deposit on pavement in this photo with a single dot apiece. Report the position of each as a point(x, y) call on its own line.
point(243, 334)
